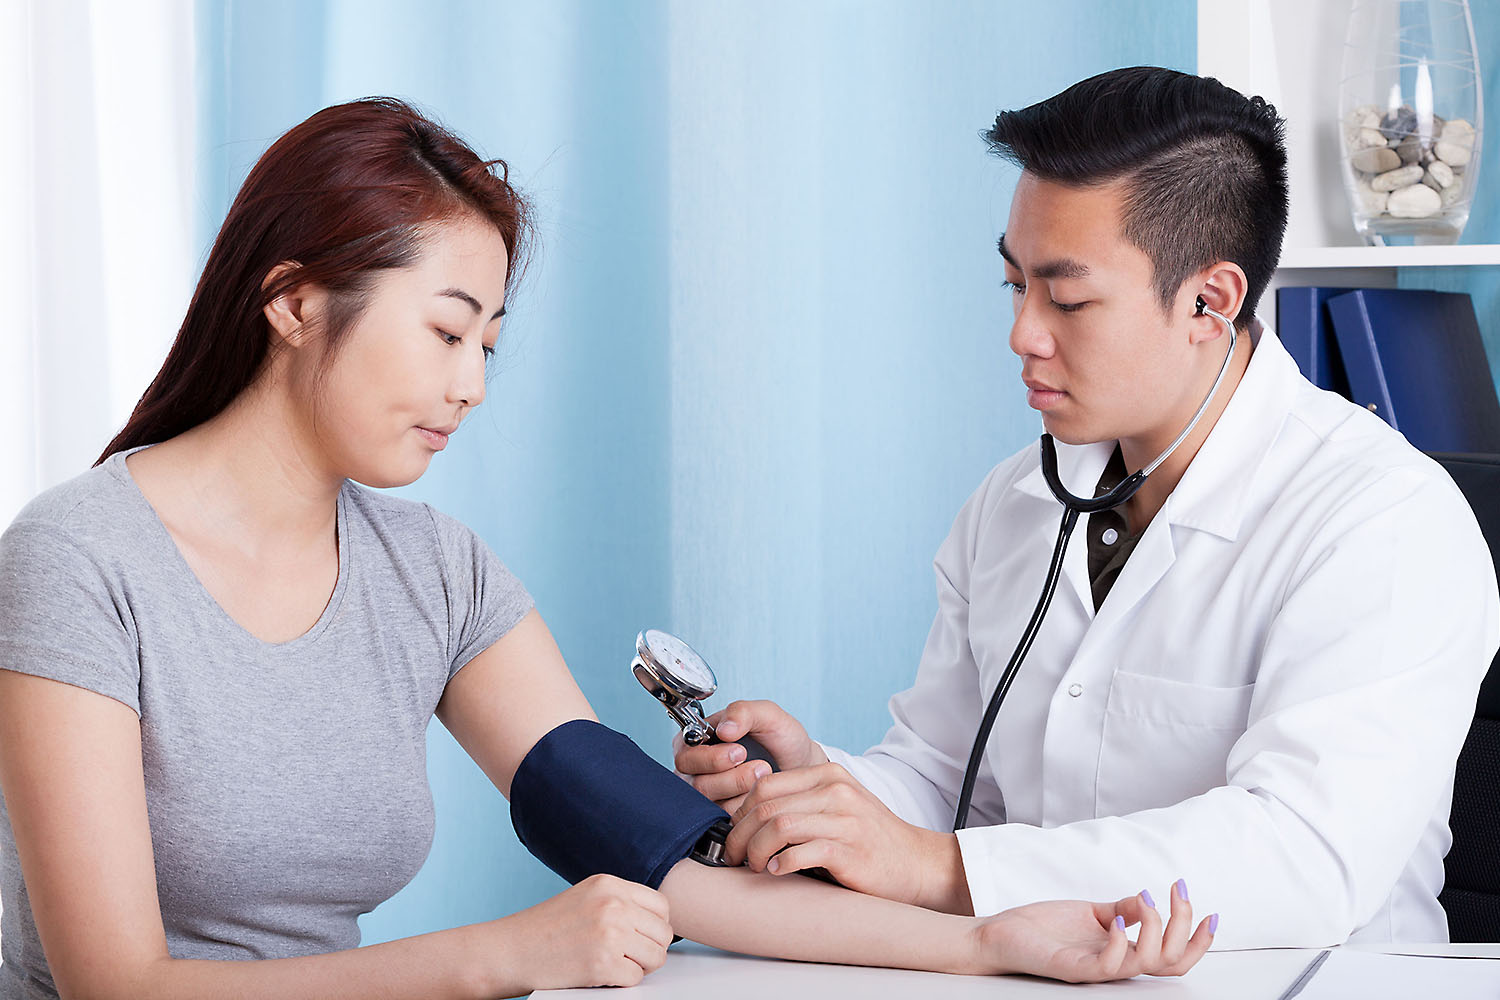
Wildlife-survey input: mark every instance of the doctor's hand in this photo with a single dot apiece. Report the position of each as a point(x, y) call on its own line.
point(720, 771)
point(1086, 942)
point(821, 817)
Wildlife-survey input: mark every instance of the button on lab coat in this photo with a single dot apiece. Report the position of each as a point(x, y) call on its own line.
point(1268, 703)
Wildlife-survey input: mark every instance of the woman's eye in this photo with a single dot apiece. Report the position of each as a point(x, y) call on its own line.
point(489, 352)
point(449, 338)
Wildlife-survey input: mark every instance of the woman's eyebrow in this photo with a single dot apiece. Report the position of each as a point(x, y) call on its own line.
point(471, 301)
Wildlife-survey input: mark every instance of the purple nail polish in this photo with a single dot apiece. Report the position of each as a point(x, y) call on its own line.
point(1213, 924)
point(1146, 898)
point(1182, 890)
point(1119, 922)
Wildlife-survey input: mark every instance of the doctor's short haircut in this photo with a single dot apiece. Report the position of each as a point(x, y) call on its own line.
point(352, 192)
point(1204, 168)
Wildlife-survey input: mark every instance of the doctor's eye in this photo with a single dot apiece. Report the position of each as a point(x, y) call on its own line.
point(1013, 287)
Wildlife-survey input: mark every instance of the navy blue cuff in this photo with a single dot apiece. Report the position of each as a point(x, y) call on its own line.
point(586, 800)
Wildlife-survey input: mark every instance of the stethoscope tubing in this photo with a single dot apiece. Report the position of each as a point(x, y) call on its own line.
point(1073, 506)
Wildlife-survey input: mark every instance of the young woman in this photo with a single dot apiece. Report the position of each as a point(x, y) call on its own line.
point(221, 655)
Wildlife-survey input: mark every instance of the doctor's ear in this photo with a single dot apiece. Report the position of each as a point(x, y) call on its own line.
point(291, 307)
point(1220, 288)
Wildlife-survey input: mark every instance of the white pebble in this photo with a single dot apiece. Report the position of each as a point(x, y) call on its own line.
point(1371, 202)
point(1414, 202)
point(1369, 138)
point(1441, 172)
point(1456, 144)
point(1375, 161)
point(1398, 178)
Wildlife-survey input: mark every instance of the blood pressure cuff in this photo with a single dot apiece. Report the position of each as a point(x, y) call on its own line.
point(587, 800)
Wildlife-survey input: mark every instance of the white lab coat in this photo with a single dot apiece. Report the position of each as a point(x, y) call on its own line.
point(1269, 702)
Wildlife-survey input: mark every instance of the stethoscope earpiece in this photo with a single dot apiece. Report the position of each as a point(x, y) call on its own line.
point(1201, 306)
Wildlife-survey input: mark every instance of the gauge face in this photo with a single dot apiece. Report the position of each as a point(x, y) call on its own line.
point(679, 666)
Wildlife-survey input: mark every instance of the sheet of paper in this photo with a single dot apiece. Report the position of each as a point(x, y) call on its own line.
point(1370, 976)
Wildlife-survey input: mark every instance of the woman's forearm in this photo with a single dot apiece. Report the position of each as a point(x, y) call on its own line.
point(795, 917)
point(440, 965)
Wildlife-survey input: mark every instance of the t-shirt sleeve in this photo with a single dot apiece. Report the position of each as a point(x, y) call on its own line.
point(485, 600)
point(62, 617)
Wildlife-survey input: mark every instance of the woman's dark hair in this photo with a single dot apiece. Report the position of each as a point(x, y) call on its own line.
point(1204, 167)
point(346, 194)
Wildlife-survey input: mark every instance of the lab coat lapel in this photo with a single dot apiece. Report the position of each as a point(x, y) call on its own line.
point(1080, 467)
point(1211, 493)
point(1153, 556)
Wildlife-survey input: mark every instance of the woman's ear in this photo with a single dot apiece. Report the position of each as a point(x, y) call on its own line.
point(1222, 288)
point(289, 312)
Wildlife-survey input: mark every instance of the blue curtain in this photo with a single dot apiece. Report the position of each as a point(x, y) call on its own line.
point(760, 358)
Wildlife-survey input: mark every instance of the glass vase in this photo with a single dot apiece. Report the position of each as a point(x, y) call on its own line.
point(1412, 114)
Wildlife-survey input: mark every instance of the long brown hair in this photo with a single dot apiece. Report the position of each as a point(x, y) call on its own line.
point(344, 195)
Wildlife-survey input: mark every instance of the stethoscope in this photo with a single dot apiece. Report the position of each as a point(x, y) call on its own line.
point(1072, 507)
point(681, 680)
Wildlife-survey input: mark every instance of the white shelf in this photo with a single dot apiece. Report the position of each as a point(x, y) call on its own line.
point(1460, 255)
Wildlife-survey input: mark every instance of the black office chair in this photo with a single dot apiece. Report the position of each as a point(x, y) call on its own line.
point(1471, 895)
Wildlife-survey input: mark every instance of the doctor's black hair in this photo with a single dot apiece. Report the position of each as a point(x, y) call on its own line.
point(1204, 167)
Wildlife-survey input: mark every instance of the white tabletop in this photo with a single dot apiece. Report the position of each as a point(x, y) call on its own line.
point(694, 971)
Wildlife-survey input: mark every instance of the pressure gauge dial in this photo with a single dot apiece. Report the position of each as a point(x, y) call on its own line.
point(677, 677)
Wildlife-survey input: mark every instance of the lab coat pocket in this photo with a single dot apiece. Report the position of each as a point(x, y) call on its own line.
point(1165, 740)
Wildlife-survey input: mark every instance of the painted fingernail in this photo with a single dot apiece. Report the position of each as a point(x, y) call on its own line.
point(1213, 924)
point(773, 866)
point(1182, 890)
point(1119, 922)
point(736, 754)
point(1146, 898)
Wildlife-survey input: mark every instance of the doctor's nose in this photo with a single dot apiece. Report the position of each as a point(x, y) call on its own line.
point(1028, 336)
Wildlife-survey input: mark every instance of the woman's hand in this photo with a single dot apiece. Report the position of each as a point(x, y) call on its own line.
point(1081, 942)
point(604, 931)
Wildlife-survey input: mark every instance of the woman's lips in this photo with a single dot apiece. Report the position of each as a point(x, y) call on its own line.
point(437, 440)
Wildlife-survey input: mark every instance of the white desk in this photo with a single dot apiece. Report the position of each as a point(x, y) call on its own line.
point(694, 972)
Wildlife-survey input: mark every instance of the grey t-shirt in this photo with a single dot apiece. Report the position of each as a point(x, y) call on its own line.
point(286, 783)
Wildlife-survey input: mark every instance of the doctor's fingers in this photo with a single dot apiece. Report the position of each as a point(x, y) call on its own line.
point(729, 788)
point(710, 758)
point(838, 783)
point(795, 819)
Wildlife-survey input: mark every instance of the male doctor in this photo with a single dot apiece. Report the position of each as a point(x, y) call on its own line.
point(1258, 672)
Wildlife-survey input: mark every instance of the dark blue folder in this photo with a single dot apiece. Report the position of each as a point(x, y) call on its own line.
point(1417, 360)
point(1303, 326)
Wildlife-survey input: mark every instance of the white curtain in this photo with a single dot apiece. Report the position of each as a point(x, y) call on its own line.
point(97, 253)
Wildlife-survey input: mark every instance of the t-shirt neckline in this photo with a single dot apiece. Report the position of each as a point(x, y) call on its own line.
point(116, 466)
